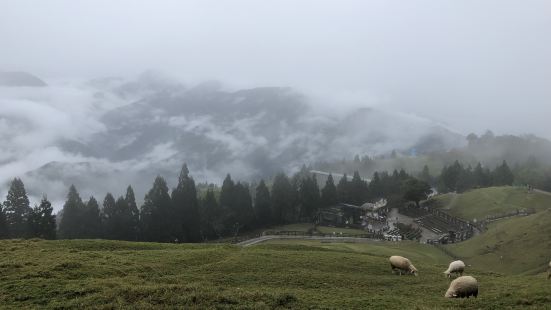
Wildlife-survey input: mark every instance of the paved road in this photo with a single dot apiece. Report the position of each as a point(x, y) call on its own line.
point(542, 192)
point(254, 241)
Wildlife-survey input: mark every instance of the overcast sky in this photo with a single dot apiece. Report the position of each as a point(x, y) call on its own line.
point(471, 65)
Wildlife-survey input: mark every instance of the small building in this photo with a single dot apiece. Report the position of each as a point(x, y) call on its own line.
point(349, 215)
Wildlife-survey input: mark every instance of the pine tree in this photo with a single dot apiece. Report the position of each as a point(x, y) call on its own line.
point(375, 187)
point(211, 217)
point(309, 197)
point(282, 199)
point(227, 201)
point(134, 213)
point(184, 201)
point(70, 226)
point(481, 176)
point(242, 207)
point(425, 175)
point(124, 220)
point(3, 224)
point(465, 180)
point(502, 175)
point(17, 210)
point(41, 221)
point(110, 217)
point(357, 189)
point(343, 190)
point(157, 214)
point(263, 204)
point(449, 177)
point(329, 193)
point(416, 190)
point(91, 220)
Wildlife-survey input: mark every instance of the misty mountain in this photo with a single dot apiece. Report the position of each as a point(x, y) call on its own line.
point(151, 125)
point(20, 79)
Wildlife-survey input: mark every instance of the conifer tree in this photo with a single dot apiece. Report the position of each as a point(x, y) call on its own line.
point(481, 177)
point(329, 193)
point(110, 217)
point(502, 175)
point(17, 210)
point(309, 197)
point(227, 201)
point(124, 219)
point(282, 199)
point(242, 207)
point(263, 204)
point(425, 175)
point(186, 207)
point(42, 222)
point(416, 190)
point(211, 217)
point(357, 190)
point(70, 226)
point(91, 220)
point(343, 190)
point(3, 224)
point(157, 214)
point(134, 213)
point(375, 187)
point(465, 180)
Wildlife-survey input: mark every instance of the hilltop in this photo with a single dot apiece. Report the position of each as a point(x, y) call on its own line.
point(518, 245)
point(491, 201)
point(510, 244)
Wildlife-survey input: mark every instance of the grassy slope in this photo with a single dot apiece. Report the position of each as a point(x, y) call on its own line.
point(106, 274)
point(478, 203)
point(524, 243)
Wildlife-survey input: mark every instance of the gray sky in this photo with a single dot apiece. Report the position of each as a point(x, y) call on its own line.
point(471, 65)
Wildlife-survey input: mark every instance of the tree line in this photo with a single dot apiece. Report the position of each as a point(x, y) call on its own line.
point(460, 178)
point(186, 215)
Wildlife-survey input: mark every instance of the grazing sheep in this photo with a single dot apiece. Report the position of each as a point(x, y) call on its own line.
point(464, 286)
point(455, 267)
point(402, 264)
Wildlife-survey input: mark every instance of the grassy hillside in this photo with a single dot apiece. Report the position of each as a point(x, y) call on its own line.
point(111, 274)
point(520, 245)
point(478, 203)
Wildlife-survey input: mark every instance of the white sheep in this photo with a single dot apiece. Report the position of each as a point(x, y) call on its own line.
point(455, 267)
point(464, 286)
point(402, 264)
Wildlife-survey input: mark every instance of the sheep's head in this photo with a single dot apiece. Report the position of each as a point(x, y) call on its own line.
point(413, 270)
point(447, 274)
point(450, 294)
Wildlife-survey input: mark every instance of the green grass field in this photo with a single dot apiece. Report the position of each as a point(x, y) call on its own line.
point(478, 203)
point(300, 275)
point(519, 245)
